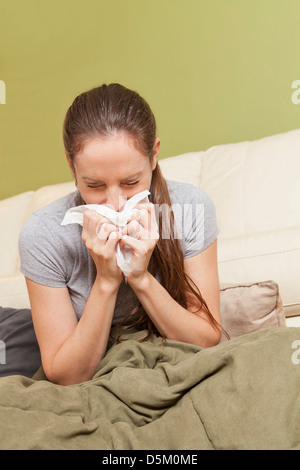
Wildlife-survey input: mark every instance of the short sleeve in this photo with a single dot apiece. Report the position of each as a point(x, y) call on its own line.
point(40, 254)
point(200, 223)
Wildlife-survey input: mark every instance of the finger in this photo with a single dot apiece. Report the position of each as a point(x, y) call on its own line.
point(134, 229)
point(154, 229)
point(143, 218)
point(129, 241)
point(90, 220)
point(113, 239)
point(152, 225)
point(107, 247)
point(148, 227)
point(145, 205)
point(104, 229)
point(102, 218)
point(90, 217)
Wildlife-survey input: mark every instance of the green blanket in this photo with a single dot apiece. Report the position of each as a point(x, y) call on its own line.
point(241, 394)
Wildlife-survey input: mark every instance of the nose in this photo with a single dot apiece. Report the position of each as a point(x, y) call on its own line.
point(115, 200)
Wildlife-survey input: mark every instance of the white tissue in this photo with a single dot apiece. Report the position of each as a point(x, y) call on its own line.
point(120, 219)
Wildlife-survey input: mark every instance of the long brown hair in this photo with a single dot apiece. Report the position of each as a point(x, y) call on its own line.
point(111, 109)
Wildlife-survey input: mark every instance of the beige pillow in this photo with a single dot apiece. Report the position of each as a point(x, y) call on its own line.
point(248, 307)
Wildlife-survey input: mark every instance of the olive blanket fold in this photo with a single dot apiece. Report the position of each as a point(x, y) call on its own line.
point(240, 394)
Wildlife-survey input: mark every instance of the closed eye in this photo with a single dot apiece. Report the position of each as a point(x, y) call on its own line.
point(95, 187)
point(102, 185)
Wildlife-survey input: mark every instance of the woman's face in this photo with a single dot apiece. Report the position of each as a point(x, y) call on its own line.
point(111, 170)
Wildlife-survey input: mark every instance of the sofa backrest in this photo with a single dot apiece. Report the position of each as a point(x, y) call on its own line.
point(255, 187)
point(256, 191)
point(14, 212)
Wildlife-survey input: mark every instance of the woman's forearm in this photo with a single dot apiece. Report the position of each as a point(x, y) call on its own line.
point(171, 319)
point(79, 356)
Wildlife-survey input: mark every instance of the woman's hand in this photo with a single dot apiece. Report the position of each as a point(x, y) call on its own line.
point(101, 237)
point(145, 230)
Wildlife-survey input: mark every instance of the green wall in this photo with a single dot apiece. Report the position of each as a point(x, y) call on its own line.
point(214, 71)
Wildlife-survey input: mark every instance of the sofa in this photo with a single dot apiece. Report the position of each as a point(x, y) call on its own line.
point(240, 394)
point(255, 188)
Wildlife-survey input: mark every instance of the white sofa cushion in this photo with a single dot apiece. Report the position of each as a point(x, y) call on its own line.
point(12, 215)
point(254, 185)
point(13, 292)
point(274, 254)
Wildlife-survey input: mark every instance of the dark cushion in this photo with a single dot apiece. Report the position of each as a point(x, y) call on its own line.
point(19, 350)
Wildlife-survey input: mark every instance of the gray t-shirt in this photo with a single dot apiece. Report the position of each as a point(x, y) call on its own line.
point(55, 255)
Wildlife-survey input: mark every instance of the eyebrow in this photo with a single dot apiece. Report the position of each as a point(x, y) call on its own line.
point(136, 175)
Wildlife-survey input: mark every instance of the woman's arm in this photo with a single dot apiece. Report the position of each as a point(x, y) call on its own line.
point(171, 319)
point(174, 321)
point(71, 350)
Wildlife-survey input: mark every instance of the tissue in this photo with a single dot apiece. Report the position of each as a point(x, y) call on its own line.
point(120, 219)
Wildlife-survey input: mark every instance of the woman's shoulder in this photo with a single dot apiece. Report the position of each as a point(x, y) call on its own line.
point(195, 216)
point(47, 249)
point(46, 221)
point(186, 193)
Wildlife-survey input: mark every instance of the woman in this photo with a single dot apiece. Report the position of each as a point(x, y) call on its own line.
point(71, 272)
